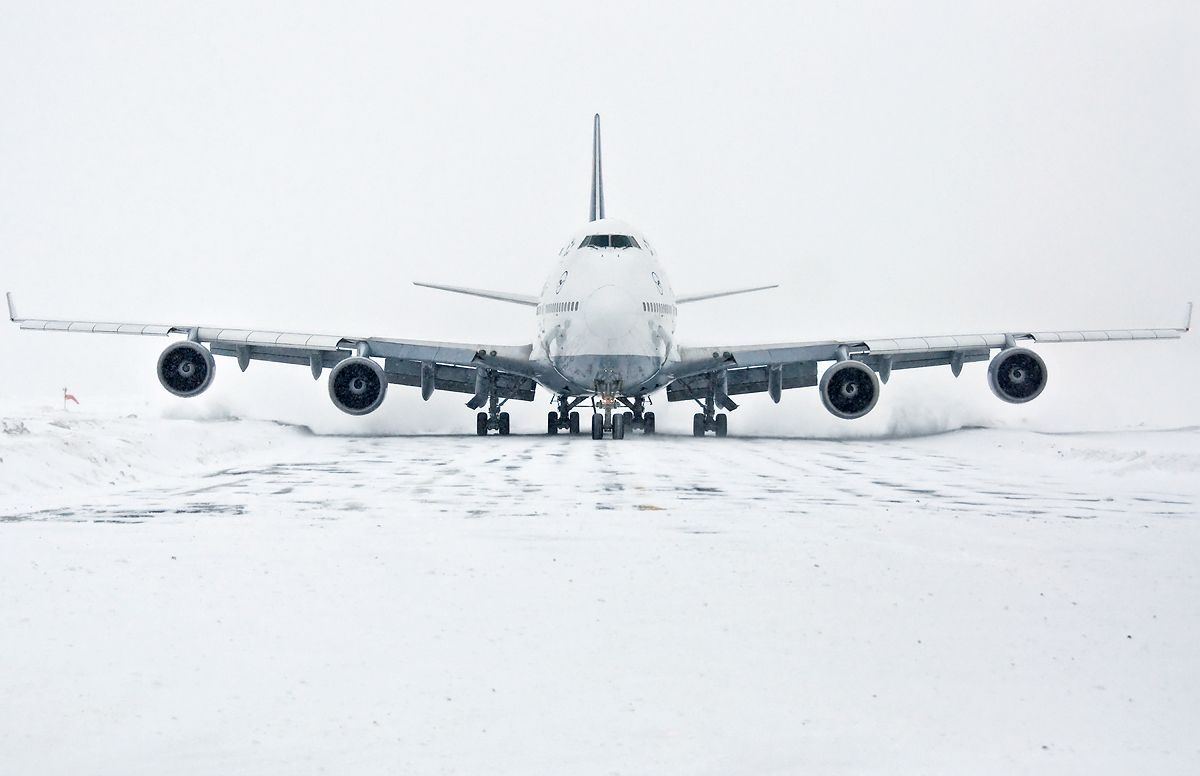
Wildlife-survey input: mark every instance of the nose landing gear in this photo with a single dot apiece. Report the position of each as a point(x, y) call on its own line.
point(604, 419)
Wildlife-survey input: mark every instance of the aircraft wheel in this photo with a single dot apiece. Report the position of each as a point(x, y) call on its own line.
point(597, 426)
point(618, 422)
point(503, 424)
point(648, 423)
point(698, 424)
point(552, 422)
point(481, 424)
point(574, 422)
point(628, 420)
point(722, 425)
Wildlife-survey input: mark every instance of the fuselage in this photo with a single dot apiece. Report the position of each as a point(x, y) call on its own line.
point(606, 314)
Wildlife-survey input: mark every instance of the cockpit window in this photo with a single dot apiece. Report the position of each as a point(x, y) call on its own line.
point(609, 241)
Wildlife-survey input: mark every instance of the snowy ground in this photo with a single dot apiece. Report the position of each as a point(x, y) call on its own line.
point(242, 597)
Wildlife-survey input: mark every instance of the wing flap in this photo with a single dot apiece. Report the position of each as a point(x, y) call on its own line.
point(753, 379)
point(458, 379)
point(281, 355)
point(759, 355)
point(882, 361)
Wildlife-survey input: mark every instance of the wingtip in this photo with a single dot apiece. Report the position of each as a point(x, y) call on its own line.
point(1187, 324)
point(12, 306)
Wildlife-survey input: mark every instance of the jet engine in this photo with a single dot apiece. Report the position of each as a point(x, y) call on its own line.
point(186, 368)
point(1017, 375)
point(357, 385)
point(849, 389)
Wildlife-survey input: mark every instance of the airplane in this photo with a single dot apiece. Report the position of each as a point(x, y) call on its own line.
point(605, 334)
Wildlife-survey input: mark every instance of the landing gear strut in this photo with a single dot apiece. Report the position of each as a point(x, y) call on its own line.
point(564, 418)
point(493, 419)
point(636, 415)
point(605, 419)
point(709, 420)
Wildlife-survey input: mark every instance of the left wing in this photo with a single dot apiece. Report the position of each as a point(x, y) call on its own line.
point(455, 364)
point(749, 366)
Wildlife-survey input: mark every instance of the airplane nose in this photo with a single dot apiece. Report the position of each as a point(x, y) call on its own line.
point(610, 312)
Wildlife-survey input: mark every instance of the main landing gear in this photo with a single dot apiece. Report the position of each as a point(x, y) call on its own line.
point(708, 419)
point(564, 419)
point(636, 416)
point(702, 424)
point(493, 419)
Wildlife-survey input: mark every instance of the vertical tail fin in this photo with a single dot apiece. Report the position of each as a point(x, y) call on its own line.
point(597, 209)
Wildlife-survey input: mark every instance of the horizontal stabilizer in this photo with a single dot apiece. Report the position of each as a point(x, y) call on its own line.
point(685, 298)
point(500, 296)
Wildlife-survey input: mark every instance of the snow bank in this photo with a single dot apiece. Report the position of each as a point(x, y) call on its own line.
point(253, 598)
point(68, 456)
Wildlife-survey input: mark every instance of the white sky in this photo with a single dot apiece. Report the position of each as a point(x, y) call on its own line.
point(937, 168)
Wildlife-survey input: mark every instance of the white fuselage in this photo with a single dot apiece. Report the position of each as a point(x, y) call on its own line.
point(606, 315)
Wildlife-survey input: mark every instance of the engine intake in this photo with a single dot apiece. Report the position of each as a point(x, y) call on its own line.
point(357, 385)
point(849, 389)
point(186, 368)
point(1017, 375)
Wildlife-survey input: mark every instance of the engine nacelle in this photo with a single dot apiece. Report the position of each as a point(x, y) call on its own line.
point(1017, 375)
point(849, 389)
point(186, 368)
point(357, 385)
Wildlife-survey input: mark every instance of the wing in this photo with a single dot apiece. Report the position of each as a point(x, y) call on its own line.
point(747, 368)
point(455, 364)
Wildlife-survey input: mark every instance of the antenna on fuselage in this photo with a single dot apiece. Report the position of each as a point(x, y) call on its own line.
point(597, 209)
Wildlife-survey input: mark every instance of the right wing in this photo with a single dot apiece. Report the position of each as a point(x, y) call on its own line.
point(456, 364)
point(747, 368)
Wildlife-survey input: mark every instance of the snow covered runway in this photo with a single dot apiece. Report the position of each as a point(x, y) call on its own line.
point(183, 597)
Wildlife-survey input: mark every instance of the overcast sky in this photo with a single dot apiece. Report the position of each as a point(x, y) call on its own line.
point(901, 169)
